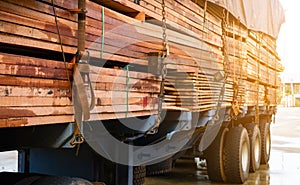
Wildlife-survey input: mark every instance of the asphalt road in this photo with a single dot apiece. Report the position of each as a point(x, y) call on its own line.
point(284, 164)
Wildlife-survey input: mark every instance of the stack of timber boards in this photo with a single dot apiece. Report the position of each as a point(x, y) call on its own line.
point(254, 65)
point(36, 90)
point(263, 69)
point(236, 64)
point(262, 64)
point(194, 90)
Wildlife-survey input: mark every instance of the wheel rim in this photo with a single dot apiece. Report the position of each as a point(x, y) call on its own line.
point(245, 156)
point(257, 149)
point(268, 144)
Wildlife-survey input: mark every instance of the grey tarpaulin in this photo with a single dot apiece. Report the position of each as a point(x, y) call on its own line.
point(259, 15)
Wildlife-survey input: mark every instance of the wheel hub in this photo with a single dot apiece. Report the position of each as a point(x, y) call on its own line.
point(245, 156)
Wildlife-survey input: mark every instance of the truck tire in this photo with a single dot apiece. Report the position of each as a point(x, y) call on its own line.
point(255, 146)
point(55, 180)
point(214, 157)
point(265, 142)
point(139, 174)
point(237, 155)
point(28, 180)
point(160, 168)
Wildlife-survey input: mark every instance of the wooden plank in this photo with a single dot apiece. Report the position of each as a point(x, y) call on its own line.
point(38, 44)
point(101, 101)
point(6, 58)
point(31, 71)
point(8, 101)
point(33, 82)
point(17, 112)
point(35, 101)
point(35, 121)
point(33, 91)
point(43, 120)
point(118, 94)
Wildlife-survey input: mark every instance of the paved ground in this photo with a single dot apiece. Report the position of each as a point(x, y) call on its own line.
point(8, 161)
point(283, 169)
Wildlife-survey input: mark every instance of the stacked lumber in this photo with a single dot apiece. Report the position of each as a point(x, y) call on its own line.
point(189, 16)
point(236, 51)
point(253, 62)
point(120, 34)
point(195, 52)
point(263, 62)
point(194, 91)
point(36, 91)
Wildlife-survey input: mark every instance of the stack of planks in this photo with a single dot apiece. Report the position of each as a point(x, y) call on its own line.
point(120, 34)
point(264, 67)
point(37, 91)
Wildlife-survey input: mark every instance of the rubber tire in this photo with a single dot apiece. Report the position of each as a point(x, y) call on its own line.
point(55, 180)
point(214, 158)
point(265, 142)
point(236, 145)
point(139, 174)
point(255, 146)
point(160, 168)
point(28, 180)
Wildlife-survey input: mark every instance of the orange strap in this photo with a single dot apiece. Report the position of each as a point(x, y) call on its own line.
point(81, 100)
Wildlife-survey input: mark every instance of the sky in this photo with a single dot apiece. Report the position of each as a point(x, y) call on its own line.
point(288, 43)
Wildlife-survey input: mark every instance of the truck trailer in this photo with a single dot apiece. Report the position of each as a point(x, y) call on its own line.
point(109, 91)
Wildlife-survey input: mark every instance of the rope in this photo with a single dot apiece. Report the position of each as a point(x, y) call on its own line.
point(61, 44)
point(103, 30)
point(220, 100)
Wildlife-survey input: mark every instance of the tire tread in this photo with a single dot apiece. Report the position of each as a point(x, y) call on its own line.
point(232, 149)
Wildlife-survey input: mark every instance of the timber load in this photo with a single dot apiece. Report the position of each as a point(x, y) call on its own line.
point(208, 50)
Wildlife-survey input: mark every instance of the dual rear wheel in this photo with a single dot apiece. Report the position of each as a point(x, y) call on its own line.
point(228, 157)
point(265, 141)
point(237, 151)
point(255, 146)
point(237, 155)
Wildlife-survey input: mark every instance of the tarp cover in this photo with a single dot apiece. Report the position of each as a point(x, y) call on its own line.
point(261, 15)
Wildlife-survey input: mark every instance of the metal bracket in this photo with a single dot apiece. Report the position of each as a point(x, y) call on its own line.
point(78, 11)
point(219, 76)
point(155, 63)
point(137, 2)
